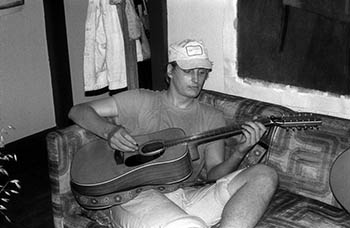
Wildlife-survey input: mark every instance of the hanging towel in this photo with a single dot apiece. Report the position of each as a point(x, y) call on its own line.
point(104, 54)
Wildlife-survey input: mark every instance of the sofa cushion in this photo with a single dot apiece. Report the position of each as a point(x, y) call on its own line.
point(289, 210)
point(303, 159)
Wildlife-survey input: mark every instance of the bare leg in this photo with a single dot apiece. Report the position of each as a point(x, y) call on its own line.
point(251, 191)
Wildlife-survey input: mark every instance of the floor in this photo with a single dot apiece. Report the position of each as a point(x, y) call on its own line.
point(31, 208)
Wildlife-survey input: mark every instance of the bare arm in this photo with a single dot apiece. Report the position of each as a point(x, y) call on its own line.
point(217, 166)
point(91, 116)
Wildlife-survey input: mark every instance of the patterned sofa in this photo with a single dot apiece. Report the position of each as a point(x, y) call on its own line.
point(302, 158)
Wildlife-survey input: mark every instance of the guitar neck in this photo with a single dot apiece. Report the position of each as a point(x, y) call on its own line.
point(300, 121)
point(211, 135)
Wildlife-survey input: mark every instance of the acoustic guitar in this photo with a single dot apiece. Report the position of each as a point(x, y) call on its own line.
point(102, 177)
point(339, 179)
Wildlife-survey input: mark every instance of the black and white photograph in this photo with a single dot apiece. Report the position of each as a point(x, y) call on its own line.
point(175, 113)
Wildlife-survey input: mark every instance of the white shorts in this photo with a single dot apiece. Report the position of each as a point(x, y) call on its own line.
point(186, 207)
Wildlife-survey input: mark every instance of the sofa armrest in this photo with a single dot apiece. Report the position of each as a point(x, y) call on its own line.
point(61, 146)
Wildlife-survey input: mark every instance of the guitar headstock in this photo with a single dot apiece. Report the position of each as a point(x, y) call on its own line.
point(299, 121)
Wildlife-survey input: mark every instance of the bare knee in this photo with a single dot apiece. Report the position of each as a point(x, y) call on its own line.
point(260, 177)
point(264, 176)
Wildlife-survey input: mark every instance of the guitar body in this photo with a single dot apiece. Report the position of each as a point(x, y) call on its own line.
point(339, 179)
point(95, 170)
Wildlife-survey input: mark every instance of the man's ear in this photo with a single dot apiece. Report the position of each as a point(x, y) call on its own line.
point(169, 70)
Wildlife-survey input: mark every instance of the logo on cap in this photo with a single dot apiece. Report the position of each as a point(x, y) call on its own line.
point(194, 50)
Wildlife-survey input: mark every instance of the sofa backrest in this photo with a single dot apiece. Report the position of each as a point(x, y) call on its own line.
point(237, 110)
point(303, 159)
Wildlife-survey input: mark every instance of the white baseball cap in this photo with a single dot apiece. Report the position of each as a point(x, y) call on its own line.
point(189, 54)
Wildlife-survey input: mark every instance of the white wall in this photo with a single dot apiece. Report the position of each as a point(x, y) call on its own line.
point(25, 82)
point(75, 13)
point(213, 22)
point(200, 19)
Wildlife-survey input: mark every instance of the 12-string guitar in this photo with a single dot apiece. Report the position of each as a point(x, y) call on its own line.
point(102, 177)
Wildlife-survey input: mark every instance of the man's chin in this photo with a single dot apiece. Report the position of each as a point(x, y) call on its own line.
point(194, 92)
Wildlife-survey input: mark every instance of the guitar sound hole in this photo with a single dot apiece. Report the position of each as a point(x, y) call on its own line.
point(152, 147)
point(138, 159)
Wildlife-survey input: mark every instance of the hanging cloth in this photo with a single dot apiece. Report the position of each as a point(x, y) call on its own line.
point(137, 32)
point(104, 53)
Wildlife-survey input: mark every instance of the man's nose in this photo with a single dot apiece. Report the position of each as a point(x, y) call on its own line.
point(195, 76)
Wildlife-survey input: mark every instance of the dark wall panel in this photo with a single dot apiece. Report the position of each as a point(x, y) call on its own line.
point(293, 46)
point(59, 60)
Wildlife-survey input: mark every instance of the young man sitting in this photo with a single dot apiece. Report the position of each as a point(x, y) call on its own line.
point(236, 199)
